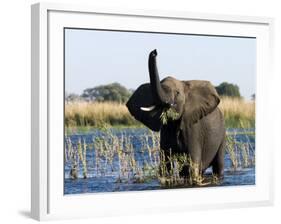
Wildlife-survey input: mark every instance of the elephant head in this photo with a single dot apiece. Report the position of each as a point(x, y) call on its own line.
point(191, 100)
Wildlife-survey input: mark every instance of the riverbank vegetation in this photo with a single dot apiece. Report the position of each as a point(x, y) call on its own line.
point(238, 113)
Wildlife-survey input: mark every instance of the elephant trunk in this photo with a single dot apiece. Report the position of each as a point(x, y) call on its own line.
point(157, 91)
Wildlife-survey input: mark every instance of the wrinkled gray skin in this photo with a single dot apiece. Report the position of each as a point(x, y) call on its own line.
point(199, 129)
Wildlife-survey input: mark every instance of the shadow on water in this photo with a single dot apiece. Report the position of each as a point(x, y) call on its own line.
point(104, 176)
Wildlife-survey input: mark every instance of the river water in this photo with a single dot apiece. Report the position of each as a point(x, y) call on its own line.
point(104, 176)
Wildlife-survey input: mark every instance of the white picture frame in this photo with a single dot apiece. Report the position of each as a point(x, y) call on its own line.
point(47, 198)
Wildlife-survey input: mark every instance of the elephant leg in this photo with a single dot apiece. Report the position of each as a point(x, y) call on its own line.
point(195, 163)
point(184, 172)
point(218, 162)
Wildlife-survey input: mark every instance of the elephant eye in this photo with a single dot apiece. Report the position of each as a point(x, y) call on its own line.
point(177, 93)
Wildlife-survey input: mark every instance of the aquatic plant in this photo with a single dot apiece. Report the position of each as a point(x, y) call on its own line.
point(112, 154)
point(241, 153)
point(82, 149)
point(75, 153)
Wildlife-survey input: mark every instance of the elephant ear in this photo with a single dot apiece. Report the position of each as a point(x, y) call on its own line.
point(201, 99)
point(142, 97)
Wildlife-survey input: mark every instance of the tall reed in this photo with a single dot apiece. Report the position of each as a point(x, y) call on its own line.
point(112, 154)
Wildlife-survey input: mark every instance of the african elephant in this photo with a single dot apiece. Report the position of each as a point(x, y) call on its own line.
point(196, 130)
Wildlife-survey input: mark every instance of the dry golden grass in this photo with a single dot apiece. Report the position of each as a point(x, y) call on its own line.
point(237, 113)
point(97, 114)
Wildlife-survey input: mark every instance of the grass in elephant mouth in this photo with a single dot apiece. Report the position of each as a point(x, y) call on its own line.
point(168, 114)
point(150, 164)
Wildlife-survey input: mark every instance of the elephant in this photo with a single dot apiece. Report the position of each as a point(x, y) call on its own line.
point(196, 130)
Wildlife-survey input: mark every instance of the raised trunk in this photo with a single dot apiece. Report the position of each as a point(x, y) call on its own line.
point(157, 91)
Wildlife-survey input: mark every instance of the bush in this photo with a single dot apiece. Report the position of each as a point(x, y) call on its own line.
point(228, 89)
point(112, 92)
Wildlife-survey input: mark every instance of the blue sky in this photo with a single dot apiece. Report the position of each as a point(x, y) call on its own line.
point(95, 57)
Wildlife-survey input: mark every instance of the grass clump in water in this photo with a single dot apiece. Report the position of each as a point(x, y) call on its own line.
point(137, 160)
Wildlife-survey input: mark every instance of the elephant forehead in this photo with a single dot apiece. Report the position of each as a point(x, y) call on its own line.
point(171, 82)
point(169, 79)
point(198, 83)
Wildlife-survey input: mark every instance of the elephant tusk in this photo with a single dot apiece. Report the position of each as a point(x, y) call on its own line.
point(148, 108)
